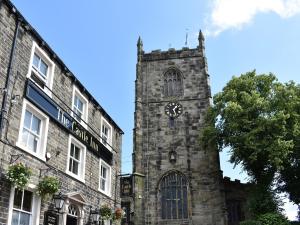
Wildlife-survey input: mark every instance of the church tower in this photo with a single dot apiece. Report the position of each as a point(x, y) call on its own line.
point(175, 181)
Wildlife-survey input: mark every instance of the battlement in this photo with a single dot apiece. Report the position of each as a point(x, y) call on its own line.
point(171, 53)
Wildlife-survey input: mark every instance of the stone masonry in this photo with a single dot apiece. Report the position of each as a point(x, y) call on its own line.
point(86, 193)
point(154, 138)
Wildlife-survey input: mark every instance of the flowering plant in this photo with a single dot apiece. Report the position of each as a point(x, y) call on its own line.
point(48, 186)
point(19, 175)
point(105, 212)
point(118, 215)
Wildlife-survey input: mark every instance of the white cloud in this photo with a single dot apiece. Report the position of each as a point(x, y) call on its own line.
point(228, 14)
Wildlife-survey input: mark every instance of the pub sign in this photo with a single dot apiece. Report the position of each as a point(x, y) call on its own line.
point(126, 186)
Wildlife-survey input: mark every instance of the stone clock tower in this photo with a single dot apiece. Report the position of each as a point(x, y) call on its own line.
point(175, 181)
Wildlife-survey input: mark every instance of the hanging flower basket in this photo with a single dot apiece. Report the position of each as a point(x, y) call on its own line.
point(19, 175)
point(105, 212)
point(118, 215)
point(48, 186)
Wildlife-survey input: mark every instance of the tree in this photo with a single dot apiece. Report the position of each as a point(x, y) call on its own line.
point(257, 118)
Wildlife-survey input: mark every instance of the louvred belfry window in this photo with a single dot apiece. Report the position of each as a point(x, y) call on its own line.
point(173, 85)
point(174, 196)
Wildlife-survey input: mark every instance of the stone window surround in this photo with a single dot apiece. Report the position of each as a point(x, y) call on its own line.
point(109, 180)
point(37, 50)
point(84, 119)
point(36, 205)
point(43, 130)
point(81, 169)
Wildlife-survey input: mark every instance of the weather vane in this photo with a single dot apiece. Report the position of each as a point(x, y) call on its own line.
point(186, 36)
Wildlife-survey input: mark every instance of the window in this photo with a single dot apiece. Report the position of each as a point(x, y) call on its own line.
point(33, 130)
point(76, 159)
point(72, 217)
point(24, 208)
point(106, 134)
point(80, 107)
point(105, 178)
point(173, 83)
point(174, 192)
point(41, 69)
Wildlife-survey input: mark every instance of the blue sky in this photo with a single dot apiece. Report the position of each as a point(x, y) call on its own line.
point(97, 41)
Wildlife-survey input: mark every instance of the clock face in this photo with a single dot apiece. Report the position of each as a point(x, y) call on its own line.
point(173, 109)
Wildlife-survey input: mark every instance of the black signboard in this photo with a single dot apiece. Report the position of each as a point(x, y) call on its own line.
point(56, 113)
point(51, 218)
point(126, 186)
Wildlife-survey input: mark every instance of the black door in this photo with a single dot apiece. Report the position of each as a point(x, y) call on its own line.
point(71, 220)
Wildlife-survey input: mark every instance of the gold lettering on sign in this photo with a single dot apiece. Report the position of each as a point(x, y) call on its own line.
point(84, 136)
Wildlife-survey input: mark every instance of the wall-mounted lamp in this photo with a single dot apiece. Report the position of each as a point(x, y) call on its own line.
point(58, 201)
point(94, 216)
point(15, 99)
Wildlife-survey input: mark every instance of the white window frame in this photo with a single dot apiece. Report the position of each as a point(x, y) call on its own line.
point(81, 168)
point(108, 143)
point(36, 205)
point(50, 74)
point(108, 180)
point(41, 149)
point(84, 118)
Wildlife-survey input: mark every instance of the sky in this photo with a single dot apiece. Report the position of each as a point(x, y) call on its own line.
point(97, 41)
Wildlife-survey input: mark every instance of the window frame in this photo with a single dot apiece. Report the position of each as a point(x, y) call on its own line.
point(33, 69)
point(108, 142)
point(174, 195)
point(172, 83)
point(35, 207)
point(81, 168)
point(108, 180)
point(84, 119)
point(27, 106)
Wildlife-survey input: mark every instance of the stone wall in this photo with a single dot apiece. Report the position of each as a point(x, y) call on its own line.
point(57, 138)
point(154, 138)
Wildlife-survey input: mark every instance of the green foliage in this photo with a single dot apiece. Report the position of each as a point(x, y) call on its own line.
point(105, 212)
point(19, 175)
point(250, 222)
point(48, 186)
point(295, 223)
point(258, 119)
point(273, 219)
point(262, 200)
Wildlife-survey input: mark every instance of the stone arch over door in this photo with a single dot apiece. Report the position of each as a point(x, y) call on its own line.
point(173, 199)
point(73, 206)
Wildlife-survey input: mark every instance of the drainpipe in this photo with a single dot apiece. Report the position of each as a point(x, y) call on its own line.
point(5, 101)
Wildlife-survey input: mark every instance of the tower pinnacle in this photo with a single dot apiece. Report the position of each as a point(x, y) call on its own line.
point(139, 48)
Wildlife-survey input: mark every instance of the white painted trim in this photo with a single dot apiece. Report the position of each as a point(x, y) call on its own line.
point(36, 206)
point(43, 129)
point(108, 192)
point(50, 63)
point(109, 141)
point(81, 175)
point(86, 105)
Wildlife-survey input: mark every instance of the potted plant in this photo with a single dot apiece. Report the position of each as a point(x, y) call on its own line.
point(19, 175)
point(48, 186)
point(105, 212)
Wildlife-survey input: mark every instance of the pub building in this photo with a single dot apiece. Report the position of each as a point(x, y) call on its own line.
point(51, 126)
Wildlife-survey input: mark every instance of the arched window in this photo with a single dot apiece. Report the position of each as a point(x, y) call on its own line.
point(72, 216)
point(173, 193)
point(173, 83)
